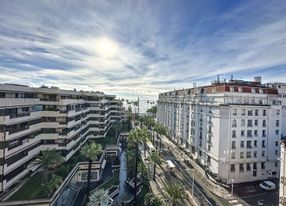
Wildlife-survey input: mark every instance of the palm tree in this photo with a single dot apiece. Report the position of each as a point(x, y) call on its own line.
point(152, 110)
point(155, 159)
point(160, 130)
point(49, 160)
point(90, 151)
point(53, 183)
point(136, 137)
point(98, 198)
point(143, 170)
point(117, 126)
point(175, 193)
point(151, 200)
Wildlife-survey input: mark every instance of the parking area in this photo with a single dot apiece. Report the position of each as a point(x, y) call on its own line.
point(252, 194)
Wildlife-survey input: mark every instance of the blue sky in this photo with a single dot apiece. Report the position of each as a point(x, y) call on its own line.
point(140, 48)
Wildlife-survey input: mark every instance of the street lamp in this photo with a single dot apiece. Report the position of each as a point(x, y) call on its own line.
point(193, 182)
point(232, 187)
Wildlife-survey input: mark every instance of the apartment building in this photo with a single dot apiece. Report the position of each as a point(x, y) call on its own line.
point(36, 119)
point(281, 88)
point(231, 128)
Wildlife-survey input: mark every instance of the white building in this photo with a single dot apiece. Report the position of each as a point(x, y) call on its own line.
point(281, 87)
point(36, 119)
point(232, 129)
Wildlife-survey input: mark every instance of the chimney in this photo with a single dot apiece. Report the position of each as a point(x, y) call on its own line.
point(257, 79)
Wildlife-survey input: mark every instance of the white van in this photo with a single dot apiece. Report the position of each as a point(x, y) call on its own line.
point(267, 185)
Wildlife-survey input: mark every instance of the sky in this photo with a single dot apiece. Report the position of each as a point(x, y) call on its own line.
point(140, 47)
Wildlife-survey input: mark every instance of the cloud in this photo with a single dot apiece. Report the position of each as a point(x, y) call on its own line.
point(139, 48)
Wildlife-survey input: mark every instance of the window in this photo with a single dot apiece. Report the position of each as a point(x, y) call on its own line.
point(232, 155)
point(262, 165)
point(254, 166)
point(255, 133)
point(248, 144)
point(263, 143)
point(234, 123)
point(249, 133)
point(263, 133)
point(276, 152)
point(277, 123)
point(249, 123)
point(233, 134)
point(243, 112)
point(234, 112)
point(242, 133)
point(256, 122)
point(277, 112)
point(248, 168)
point(231, 89)
point(248, 154)
point(255, 143)
point(241, 144)
point(243, 122)
point(256, 112)
point(232, 168)
point(262, 153)
point(276, 143)
point(255, 154)
point(276, 164)
point(241, 155)
point(264, 112)
point(233, 146)
point(277, 132)
point(264, 123)
point(249, 112)
point(241, 168)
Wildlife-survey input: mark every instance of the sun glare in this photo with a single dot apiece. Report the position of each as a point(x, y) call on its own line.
point(106, 47)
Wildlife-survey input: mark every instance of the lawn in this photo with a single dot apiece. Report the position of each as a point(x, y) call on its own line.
point(28, 189)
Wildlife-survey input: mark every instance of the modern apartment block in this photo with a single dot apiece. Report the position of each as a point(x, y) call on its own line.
point(36, 119)
point(231, 128)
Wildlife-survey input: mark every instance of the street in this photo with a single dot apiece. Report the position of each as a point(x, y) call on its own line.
point(184, 174)
point(252, 193)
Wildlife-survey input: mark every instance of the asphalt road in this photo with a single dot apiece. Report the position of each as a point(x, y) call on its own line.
point(185, 174)
point(251, 193)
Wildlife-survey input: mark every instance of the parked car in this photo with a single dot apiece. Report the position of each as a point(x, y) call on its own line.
point(267, 185)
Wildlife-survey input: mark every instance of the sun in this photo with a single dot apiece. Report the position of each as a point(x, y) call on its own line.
point(106, 47)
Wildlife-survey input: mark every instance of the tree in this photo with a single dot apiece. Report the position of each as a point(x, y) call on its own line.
point(151, 200)
point(153, 110)
point(143, 170)
point(117, 126)
point(90, 151)
point(175, 193)
point(99, 198)
point(53, 183)
point(155, 159)
point(160, 130)
point(136, 137)
point(49, 160)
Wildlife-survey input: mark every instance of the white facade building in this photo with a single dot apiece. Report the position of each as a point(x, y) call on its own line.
point(36, 119)
point(232, 129)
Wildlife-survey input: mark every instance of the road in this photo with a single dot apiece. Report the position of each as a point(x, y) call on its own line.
point(184, 174)
point(251, 193)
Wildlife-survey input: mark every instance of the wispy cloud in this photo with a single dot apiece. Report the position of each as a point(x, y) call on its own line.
point(132, 48)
